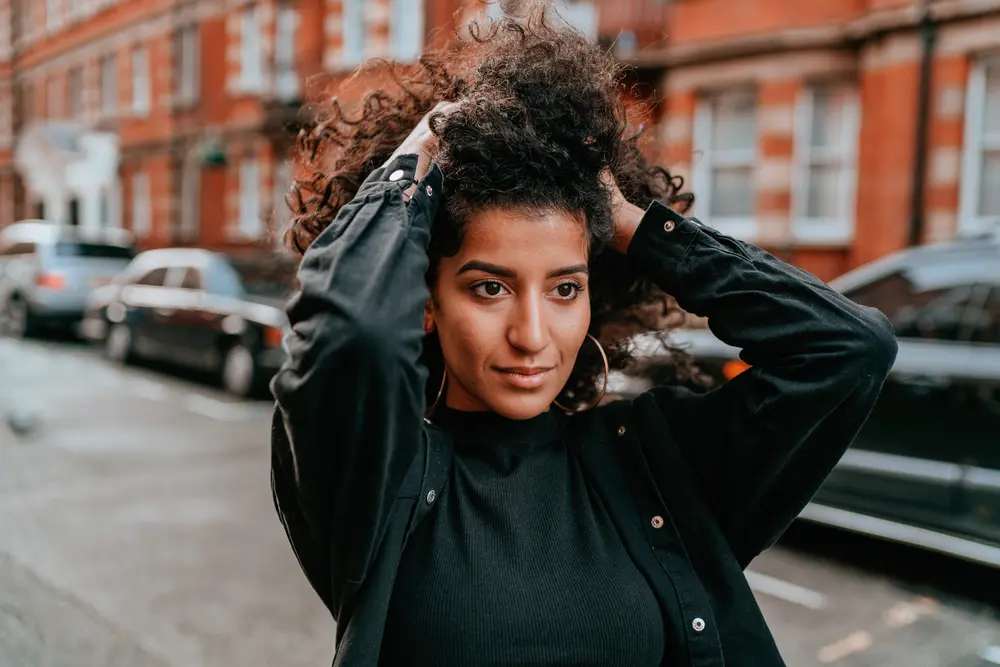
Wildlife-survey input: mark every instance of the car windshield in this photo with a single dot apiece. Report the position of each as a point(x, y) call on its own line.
point(93, 250)
point(271, 277)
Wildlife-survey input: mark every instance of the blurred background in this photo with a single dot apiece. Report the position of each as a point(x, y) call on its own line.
point(144, 158)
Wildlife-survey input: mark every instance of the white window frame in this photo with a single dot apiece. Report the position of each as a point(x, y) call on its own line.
point(705, 158)
point(354, 31)
point(108, 76)
point(975, 144)
point(251, 51)
point(142, 205)
point(836, 231)
point(250, 221)
point(141, 91)
point(188, 64)
point(406, 30)
point(286, 76)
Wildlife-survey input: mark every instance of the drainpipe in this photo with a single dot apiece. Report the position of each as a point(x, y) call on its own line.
point(928, 35)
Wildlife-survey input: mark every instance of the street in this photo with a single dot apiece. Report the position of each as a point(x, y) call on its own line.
point(138, 531)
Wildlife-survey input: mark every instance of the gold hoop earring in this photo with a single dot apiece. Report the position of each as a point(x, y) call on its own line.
point(437, 399)
point(604, 389)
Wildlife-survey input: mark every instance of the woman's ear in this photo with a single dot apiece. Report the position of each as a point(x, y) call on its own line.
point(429, 316)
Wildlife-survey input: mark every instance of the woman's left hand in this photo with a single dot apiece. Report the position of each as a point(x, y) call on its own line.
point(626, 216)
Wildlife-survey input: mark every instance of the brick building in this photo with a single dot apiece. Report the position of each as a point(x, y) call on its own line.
point(801, 126)
point(834, 131)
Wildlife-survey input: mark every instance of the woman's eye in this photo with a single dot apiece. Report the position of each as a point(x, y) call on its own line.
point(568, 290)
point(489, 289)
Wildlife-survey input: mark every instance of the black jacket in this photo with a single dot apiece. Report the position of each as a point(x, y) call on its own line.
point(697, 484)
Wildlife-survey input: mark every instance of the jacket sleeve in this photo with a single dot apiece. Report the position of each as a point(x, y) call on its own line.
point(761, 445)
point(350, 397)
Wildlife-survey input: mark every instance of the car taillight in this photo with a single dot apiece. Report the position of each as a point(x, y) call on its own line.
point(733, 368)
point(50, 281)
point(273, 336)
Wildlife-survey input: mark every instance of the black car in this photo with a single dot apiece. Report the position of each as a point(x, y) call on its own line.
point(925, 469)
point(212, 311)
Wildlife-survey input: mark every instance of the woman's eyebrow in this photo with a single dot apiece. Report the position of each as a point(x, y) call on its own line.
point(486, 267)
point(569, 270)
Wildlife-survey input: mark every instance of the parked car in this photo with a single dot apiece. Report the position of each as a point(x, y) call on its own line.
point(925, 469)
point(48, 270)
point(211, 311)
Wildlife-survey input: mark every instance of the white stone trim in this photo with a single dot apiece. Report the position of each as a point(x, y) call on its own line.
point(759, 69)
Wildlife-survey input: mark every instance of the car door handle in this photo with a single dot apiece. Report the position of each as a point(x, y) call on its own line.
point(166, 312)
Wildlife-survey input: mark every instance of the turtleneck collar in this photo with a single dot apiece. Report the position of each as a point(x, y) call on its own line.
point(472, 430)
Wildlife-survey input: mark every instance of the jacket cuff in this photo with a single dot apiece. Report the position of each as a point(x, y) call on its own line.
point(661, 243)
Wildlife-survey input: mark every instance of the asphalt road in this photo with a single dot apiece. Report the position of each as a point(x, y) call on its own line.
point(136, 529)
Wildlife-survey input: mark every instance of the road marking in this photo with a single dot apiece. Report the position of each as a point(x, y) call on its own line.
point(909, 612)
point(991, 654)
point(852, 643)
point(151, 391)
point(784, 590)
point(214, 409)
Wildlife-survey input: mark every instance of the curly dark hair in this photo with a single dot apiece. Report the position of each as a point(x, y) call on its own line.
point(540, 117)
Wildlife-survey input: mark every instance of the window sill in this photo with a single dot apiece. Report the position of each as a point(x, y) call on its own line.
point(822, 233)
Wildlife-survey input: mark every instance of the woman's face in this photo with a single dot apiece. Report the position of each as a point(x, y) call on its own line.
point(511, 311)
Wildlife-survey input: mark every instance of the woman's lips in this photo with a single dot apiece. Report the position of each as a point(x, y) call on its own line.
point(524, 377)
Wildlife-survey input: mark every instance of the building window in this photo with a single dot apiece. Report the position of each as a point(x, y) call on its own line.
point(249, 224)
point(186, 55)
point(286, 77)
point(109, 85)
point(282, 215)
point(980, 196)
point(142, 205)
point(353, 29)
point(190, 204)
point(140, 81)
point(53, 14)
point(825, 178)
point(406, 30)
point(27, 102)
point(75, 92)
point(251, 65)
point(725, 144)
point(54, 97)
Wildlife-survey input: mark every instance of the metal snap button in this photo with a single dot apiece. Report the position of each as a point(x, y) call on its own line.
point(431, 496)
point(698, 624)
point(669, 226)
point(396, 175)
point(657, 522)
point(430, 191)
point(621, 430)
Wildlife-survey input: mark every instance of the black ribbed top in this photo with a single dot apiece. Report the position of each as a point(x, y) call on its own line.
point(519, 564)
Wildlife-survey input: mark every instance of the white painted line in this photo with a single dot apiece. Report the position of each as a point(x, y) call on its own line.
point(852, 643)
point(151, 391)
point(784, 590)
point(214, 409)
point(991, 654)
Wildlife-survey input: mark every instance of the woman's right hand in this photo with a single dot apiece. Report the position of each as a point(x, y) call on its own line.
point(422, 143)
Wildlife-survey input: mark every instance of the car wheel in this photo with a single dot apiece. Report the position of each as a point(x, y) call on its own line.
point(239, 371)
point(118, 344)
point(17, 319)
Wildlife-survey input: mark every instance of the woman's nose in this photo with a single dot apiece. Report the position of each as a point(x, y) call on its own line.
point(528, 330)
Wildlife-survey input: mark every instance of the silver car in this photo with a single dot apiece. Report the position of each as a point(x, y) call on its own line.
point(47, 272)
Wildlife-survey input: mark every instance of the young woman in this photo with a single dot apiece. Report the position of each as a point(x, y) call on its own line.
point(446, 476)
